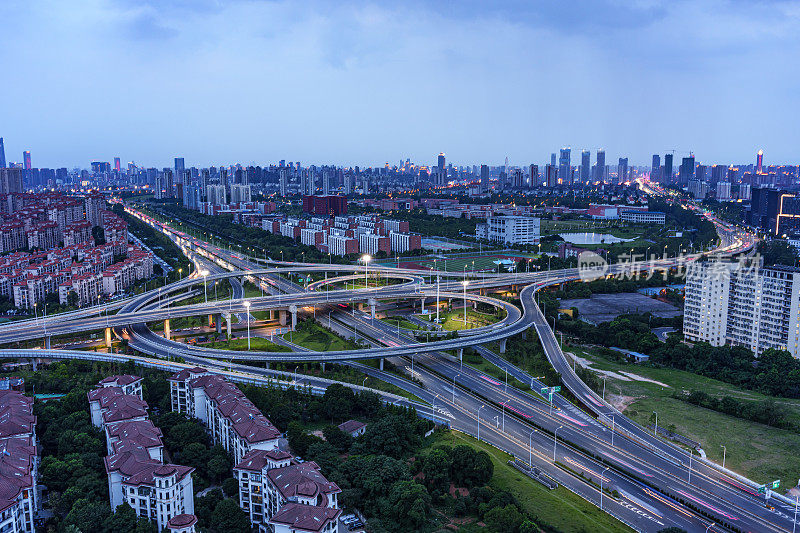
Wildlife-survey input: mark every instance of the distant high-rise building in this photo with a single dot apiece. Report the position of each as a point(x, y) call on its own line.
point(622, 170)
point(442, 171)
point(600, 166)
point(686, 172)
point(205, 178)
point(169, 184)
point(551, 175)
point(484, 179)
point(553, 159)
point(283, 181)
point(2, 154)
point(326, 183)
point(668, 167)
point(565, 166)
point(655, 168)
point(586, 164)
point(10, 180)
point(533, 173)
point(117, 165)
point(26, 159)
point(760, 161)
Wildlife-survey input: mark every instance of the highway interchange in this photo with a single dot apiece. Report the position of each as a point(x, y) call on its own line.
point(655, 484)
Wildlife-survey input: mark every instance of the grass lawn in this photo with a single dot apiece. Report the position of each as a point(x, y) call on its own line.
point(760, 452)
point(488, 368)
point(318, 339)
point(454, 320)
point(405, 324)
point(560, 508)
point(256, 344)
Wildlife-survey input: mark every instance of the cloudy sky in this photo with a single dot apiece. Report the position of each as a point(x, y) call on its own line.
point(349, 83)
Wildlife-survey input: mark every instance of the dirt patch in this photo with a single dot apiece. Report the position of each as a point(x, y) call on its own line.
point(621, 402)
point(641, 378)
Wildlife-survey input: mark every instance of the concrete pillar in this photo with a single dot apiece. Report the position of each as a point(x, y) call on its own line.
point(422, 305)
point(108, 337)
point(372, 304)
point(47, 342)
point(503, 346)
point(381, 363)
point(282, 317)
point(228, 324)
point(35, 364)
point(293, 311)
point(322, 365)
point(272, 314)
point(218, 322)
point(167, 332)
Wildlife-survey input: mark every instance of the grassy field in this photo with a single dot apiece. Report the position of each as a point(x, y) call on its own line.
point(319, 340)
point(760, 452)
point(454, 320)
point(403, 323)
point(560, 508)
point(256, 344)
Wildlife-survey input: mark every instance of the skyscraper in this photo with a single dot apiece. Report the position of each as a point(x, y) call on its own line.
point(117, 166)
point(10, 180)
point(180, 177)
point(668, 167)
point(553, 159)
point(284, 178)
point(484, 179)
point(2, 154)
point(533, 176)
point(600, 166)
point(442, 173)
point(564, 166)
point(586, 163)
point(655, 169)
point(759, 161)
point(551, 175)
point(26, 158)
point(686, 171)
point(622, 170)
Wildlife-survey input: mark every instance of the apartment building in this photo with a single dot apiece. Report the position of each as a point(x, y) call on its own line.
point(18, 463)
point(510, 229)
point(743, 304)
point(281, 496)
point(231, 419)
point(161, 492)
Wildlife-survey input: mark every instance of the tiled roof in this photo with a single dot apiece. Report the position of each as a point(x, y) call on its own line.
point(302, 480)
point(301, 517)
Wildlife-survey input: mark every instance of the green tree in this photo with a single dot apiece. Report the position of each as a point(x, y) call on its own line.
point(408, 504)
point(506, 519)
point(228, 517)
point(86, 515)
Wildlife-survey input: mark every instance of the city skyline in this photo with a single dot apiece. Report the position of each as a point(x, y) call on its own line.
point(352, 85)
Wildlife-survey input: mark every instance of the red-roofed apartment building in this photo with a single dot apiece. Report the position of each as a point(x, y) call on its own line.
point(162, 493)
point(18, 463)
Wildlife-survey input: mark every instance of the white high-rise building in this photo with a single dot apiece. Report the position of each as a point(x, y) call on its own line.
point(512, 229)
point(743, 304)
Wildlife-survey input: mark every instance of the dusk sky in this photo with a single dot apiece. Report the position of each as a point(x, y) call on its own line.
point(361, 83)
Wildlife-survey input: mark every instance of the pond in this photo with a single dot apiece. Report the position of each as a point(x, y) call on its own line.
point(591, 238)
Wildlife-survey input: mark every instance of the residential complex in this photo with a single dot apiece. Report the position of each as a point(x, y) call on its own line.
point(18, 463)
point(344, 235)
point(279, 494)
point(743, 304)
point(161, 492)
point(52, 250)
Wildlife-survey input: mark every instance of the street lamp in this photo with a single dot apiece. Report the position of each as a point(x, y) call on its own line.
point(601, 486)
point(555, 441)
point(655, 428)
point(479, 421)
point(465, 283)
point(723, 455)
point(454, 388)
point(530, 447)
point(247, 306)
point(204, 273)
point(503, 410)
point(366, 258)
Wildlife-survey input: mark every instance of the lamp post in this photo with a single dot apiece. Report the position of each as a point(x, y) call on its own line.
point(205, 283)
point(555, 442)
point(247, 307)
point(601, 487)
point(465, 283)
point(655, 428)
point(454, 388)
point(479, 421)
point(503, 410)
point(723, 455)
point(366, 258)
point(180, 274)
point(530, 447)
